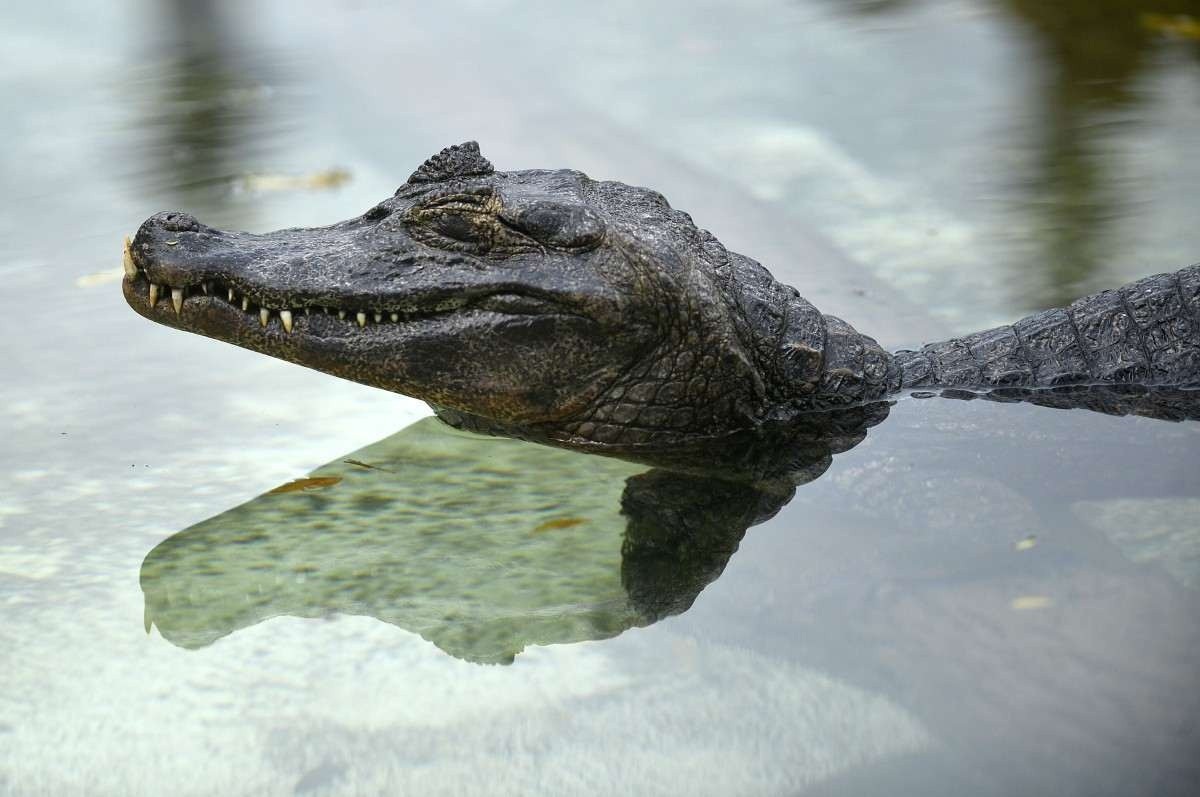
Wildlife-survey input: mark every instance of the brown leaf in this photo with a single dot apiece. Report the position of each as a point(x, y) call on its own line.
point(304, 485)
point(559, 523)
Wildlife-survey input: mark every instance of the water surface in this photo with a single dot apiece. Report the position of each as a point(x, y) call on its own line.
point(979, 598)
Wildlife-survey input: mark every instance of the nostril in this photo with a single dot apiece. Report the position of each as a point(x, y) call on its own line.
point(174, 221)
point(162, 228)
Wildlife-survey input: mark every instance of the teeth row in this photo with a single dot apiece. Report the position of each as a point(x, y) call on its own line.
point(286, 316)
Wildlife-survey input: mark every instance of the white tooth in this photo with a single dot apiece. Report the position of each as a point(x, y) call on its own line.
point(177, 299)
point(362, 319)
point(264, 315)
point(306, 312)
point(286, 317)
point(204, 287)
point(395, 318)
point(245, 304)
point(127, 261)
point(341, 313)
point(232, 296)
point(153, 294)
point(378, 317)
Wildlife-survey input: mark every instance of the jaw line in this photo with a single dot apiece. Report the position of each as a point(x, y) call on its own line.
point(214, 309)
point(194, 299)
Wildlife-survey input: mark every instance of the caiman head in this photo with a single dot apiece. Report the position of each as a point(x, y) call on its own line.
point(540, 304)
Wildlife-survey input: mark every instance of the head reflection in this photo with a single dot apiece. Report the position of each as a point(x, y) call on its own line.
point(483, 545)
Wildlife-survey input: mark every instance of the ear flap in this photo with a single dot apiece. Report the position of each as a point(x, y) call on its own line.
point(461, 160)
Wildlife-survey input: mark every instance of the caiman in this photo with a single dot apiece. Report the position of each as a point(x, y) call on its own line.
point(590, 314)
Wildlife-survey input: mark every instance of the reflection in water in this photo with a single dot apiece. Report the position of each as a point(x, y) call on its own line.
point(480, 545)
point(459, 540)
point(486, 545)
point(1094, 53)
point(206, 108)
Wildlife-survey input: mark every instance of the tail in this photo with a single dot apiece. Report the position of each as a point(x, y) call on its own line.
point(1112, 346)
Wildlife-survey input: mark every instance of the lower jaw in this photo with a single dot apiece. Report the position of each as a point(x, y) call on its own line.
point(318, 340)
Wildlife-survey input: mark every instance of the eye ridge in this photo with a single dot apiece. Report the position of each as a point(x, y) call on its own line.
point(515, 231)
point(557, 225)
point(457, 207)
point(484, 200)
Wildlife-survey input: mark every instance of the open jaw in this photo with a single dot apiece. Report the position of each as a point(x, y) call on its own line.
point(206, 305)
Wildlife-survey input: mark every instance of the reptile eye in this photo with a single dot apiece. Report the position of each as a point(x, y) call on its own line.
point(473, 222)
point(377, 213)
point(456, 226)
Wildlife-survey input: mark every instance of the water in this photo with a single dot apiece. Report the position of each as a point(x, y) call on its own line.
point(979, 598)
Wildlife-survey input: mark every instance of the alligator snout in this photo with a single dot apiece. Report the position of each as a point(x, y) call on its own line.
point(168, 241)
point(161, 232)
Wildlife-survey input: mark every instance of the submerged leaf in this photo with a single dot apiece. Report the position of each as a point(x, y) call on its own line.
point(304, 485)
point(559, 523)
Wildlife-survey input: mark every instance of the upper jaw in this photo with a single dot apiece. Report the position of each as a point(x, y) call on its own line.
point(285, 268)
point(177, 270)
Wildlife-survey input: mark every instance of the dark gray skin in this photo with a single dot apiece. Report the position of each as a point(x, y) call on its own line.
point(553, 307)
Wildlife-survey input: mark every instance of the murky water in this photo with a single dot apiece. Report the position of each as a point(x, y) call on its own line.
point(978, 599)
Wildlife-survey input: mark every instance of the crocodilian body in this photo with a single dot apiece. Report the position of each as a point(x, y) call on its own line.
point(590, 314)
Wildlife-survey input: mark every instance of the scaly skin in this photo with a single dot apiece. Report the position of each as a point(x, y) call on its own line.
point(1133, 350)
point(1145, 333)
point(556, 308)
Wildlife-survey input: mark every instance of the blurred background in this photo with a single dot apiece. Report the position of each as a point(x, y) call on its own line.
point(981, 157)
point(918, 167)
